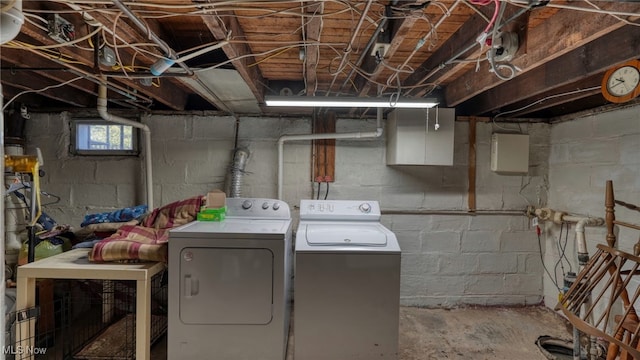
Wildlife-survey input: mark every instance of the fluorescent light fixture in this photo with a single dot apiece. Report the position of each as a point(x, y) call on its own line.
point(345, 101)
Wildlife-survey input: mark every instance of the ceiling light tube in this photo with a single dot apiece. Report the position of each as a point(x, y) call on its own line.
point(344, 101)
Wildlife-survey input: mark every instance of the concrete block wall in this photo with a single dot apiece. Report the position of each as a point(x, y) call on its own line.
point(447, 260)
point(585, 153)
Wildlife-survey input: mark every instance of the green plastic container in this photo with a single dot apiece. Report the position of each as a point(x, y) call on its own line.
point(217, 214)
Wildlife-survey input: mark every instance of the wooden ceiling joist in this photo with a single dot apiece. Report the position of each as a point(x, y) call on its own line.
point(400, 28)
point(24, 81)
point(223, 25)
point(17, 58)
point(593, 58)
point(313, 30)
point(562, 33)
point(439, 67)
point(569, 93)
point(169, 96)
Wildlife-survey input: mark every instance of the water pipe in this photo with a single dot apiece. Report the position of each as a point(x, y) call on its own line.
point(351, 135)
point(558, 217)
point(102, 110)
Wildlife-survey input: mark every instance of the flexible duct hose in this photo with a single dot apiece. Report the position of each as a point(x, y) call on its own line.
point(240, 157)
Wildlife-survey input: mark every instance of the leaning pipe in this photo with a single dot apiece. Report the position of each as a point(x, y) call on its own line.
point(351, 135)
point(102, 110)
point(152, 36)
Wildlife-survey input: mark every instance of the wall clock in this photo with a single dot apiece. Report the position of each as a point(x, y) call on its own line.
point(622, 82)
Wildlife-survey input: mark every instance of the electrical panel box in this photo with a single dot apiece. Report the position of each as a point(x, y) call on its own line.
point(510, 153)
point(420, 136)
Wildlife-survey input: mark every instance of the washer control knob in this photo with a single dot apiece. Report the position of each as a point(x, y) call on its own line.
point(365, 207)
point(276, 206)
point(265, 205)
point(247, 204)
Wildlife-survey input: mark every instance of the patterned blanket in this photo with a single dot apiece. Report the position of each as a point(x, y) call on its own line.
point(147, 241)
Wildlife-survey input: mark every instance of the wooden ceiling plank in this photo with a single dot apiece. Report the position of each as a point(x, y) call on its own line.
point(313, 30)
point(237, 52)
point(562, 33)
point(593, 58)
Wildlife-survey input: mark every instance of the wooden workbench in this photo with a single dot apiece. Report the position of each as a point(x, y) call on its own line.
point(75, 264)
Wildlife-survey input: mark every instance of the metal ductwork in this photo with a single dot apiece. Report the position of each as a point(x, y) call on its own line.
point(240, 158)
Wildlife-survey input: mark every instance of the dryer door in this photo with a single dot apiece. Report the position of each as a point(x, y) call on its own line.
point(226, 286)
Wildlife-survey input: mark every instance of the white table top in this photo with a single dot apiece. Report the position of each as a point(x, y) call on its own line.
point(75, 264)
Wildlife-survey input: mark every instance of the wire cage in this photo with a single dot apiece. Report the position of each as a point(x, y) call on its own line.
point(84, 320)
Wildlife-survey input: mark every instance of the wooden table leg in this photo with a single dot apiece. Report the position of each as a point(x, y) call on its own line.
point(25, 326)
point(143, 319)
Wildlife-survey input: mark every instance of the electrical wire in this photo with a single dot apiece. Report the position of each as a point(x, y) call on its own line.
point(40, 90)
point(564, 248)
point(326, 193)
point(613, 15)
point(72, 42)
point(56, 197)
point(555, 283)
point(560, 253)
point(542, 100)
point(552, 4)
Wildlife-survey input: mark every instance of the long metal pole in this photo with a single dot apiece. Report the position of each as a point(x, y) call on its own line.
point(152, 36)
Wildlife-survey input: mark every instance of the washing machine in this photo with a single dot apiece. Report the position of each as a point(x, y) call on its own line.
point(347, 283)
point(230, 284)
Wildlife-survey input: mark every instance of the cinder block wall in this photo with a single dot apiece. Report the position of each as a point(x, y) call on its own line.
point(447, 260)
point(585, 153)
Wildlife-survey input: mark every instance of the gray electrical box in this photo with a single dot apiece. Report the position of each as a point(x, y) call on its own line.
point(510, 153)
point(420, 136)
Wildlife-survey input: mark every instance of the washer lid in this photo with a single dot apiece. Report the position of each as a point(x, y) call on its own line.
point(345, 235)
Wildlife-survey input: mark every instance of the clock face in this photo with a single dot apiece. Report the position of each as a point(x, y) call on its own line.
point(623, 81)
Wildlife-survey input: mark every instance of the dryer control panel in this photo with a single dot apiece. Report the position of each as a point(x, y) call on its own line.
point(347, 210)
point(259, 208)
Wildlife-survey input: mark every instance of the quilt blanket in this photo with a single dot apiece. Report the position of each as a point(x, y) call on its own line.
point(147, 241)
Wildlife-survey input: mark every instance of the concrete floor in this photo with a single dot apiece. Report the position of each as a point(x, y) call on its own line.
point(465, 333)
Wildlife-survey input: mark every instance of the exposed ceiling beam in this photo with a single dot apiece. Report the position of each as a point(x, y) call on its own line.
point(220, 25)
point(560, 96)
point(26, 81)
point(400, 28)
point(313, 30)
point(18, 58)
point(130, 34)
point(170, 96)
point(593, 58)
point(440, 67)
point(560, 34)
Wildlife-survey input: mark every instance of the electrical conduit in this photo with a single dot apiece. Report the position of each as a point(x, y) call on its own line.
point(102, 110)
point(351, 135)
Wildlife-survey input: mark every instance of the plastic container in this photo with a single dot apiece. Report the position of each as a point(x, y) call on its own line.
point(215, 214)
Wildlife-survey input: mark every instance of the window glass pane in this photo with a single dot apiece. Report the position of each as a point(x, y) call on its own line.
point(104, 139)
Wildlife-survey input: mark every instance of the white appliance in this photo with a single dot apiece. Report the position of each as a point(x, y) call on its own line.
point(230, 284)
point(347, 283)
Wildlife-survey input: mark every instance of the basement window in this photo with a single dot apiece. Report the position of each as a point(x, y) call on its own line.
point(99, 137)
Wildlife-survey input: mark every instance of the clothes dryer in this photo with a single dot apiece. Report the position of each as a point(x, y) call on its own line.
point(230, 284)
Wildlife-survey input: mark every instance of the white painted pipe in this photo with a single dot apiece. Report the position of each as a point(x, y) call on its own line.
point(327, 136)
point(102, 110)
point(581, 242)
point(2, 239)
